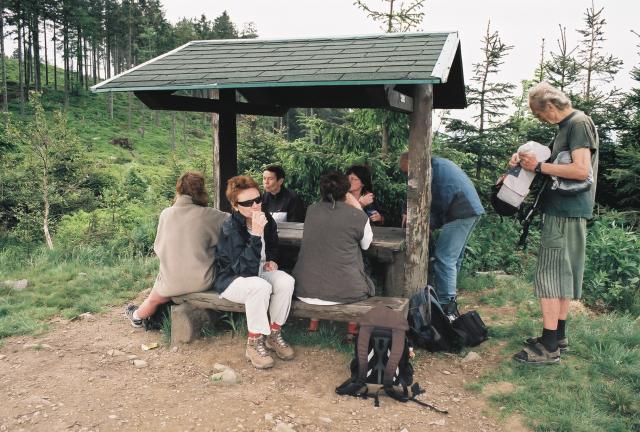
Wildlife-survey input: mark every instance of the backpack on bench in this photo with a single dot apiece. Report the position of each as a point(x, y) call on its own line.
point(382, 358)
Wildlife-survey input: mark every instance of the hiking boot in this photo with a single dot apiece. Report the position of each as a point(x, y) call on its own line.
point(257, 353)
point(276, 343)
point(563, 344)
point(537, 354)
point(128, 312)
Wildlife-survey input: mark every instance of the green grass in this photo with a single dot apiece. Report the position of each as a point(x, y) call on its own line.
point(595, 388)
point(67, 287)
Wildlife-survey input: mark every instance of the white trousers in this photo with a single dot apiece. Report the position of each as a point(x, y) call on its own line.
point(270, 293)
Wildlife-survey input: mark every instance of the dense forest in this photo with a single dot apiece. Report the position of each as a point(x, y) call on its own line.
point(84, 173)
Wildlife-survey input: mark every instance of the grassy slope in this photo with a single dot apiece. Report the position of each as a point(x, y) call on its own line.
point(86, 280)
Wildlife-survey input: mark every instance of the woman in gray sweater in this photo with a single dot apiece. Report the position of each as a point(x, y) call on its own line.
point(185, 244)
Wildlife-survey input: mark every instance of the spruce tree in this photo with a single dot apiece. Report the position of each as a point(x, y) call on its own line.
point(562, 70)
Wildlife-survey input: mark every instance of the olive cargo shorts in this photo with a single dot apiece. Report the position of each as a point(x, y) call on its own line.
point(561, 258)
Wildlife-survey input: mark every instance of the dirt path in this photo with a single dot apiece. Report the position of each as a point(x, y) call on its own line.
point(70, 380)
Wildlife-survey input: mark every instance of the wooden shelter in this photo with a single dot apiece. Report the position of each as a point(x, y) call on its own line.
point(407, 72)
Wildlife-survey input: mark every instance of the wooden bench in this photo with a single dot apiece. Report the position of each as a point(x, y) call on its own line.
point(192, 312)
point(387, 249)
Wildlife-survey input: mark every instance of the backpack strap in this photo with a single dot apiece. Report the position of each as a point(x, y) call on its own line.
point(397, 347)
point(362, 351)
point(528, 215)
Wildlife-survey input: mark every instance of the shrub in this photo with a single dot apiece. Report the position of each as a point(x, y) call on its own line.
point(493, 245)
point(612, 268)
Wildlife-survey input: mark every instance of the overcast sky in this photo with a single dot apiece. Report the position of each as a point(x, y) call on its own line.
point(521, 23)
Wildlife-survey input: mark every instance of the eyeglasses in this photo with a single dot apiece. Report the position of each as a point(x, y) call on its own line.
point(249, 203)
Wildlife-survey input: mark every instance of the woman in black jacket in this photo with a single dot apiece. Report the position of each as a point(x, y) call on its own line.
point(247, 272)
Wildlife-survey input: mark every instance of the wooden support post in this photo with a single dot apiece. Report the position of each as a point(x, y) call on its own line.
point(418, 191)
point(228, 147)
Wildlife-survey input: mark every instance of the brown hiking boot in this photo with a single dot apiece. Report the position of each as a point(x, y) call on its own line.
point(276, 343)
point(257, 353)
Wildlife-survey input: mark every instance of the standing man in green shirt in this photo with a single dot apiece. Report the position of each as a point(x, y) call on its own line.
point(561, 256)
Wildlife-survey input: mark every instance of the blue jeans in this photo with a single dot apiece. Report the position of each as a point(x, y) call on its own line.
point(448, 253)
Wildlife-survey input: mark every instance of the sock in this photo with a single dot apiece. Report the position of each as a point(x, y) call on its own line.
point(275, 327)
point(135, 315)
point(253, 335)
point(549, 339)
point(562, 325)
point(352, 328)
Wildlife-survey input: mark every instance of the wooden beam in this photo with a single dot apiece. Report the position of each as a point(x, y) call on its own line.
point(419, 191)
point(164, 100)
point(228, 151)
point(398, 101)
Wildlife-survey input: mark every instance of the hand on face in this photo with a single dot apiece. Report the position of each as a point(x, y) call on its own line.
point(352, 201)
point(258, 222)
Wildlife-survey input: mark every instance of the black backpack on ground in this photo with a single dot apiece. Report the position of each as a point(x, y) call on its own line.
point(382, 358)
point(470, 329)
point(429, 327)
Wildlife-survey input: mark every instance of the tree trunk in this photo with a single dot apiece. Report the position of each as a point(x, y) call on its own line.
point(35, 33)
point(55, 62)
point(94, 63)
point(46, 54)
point(65, 56)
point(5, 98)
point(28, 62)
point(385, 134)
point(45, 202)
point(86, 65)
point(20, 68)
point(79, 60)
point(418, 191)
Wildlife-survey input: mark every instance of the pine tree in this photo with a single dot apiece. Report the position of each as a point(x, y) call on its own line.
point(397, 18)
point(562, 70)
point(491, 99)
point(595, 66)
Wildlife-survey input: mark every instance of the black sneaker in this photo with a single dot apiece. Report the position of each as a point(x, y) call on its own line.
point(128, 312)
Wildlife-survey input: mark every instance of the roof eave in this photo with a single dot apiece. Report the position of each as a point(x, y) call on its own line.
point(434, 80)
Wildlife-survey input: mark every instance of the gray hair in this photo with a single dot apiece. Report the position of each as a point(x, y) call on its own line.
point(543, 93)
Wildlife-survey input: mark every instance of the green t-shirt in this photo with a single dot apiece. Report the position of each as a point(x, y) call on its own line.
point(574, 131)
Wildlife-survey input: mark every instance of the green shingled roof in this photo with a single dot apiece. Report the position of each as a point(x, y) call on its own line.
point(408, 58)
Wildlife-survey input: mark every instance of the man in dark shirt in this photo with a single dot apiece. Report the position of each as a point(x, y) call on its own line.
point(283, 204)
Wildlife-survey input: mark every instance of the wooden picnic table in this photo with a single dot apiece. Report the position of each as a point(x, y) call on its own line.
point(387, 249)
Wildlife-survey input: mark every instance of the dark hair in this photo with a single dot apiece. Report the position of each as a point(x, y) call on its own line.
point(237, 184)
point(334, 186)
point(363, 173)
point(277, 170)
point(192, 184)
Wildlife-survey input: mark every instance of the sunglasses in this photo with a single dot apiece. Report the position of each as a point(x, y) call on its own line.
point(249, 203)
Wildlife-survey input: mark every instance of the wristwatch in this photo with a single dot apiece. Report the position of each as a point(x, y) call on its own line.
point(538, 169)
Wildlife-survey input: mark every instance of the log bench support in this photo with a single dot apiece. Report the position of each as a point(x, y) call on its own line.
point(193, 312)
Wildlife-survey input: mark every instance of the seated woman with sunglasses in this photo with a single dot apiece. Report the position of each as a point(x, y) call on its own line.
point(247, 272)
